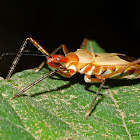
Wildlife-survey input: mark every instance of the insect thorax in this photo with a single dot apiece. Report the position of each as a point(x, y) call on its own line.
point(79, 59)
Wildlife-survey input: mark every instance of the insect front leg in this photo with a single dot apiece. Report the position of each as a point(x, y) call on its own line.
point(34, 83)
point(62, 71)
point(65, 50)
point(19, 54)
point(88, 79)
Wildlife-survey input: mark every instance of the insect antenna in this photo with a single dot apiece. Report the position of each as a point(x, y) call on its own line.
point(34, 83)
point(94, 99)
point(25, 54)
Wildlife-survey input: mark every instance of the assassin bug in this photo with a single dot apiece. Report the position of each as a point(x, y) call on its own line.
point(101, 65)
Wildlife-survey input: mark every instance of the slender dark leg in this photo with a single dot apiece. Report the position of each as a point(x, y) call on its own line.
point(34, 83)
point(65, 50)
point(40, 66)
point(19, 54)
point(61, 70)
point(97, 93)
point(16, 60)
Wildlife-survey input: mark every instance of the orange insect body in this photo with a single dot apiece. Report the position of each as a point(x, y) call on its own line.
point(106, 65)
point(100, 65)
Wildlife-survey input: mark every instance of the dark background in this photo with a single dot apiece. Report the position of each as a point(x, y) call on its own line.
point(114, 25)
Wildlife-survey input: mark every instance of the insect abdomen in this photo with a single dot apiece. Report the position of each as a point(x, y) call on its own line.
point(129, 73)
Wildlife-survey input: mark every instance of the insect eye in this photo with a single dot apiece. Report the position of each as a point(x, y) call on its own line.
point(57, 58)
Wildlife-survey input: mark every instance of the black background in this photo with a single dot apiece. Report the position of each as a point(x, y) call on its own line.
point(114, 25)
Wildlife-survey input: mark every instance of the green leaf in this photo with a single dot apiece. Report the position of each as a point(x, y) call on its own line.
point(55, 108)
